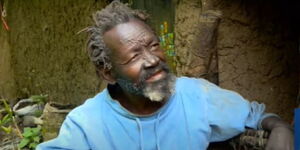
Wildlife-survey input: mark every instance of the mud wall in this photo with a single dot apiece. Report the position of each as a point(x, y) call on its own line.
point(257, 45)
point(7, 83)
point(48, 57)
point(187, 14)
point(260, 59)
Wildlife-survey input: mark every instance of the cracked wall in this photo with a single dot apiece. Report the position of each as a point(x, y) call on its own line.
point(257, 49)
point(257, 44)
point(187, 13)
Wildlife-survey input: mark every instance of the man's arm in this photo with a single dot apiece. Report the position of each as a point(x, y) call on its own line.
point(229, 114)
point(70, 137)
point(281, 137)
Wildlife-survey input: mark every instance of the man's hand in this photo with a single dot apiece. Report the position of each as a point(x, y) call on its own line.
point(281, 137)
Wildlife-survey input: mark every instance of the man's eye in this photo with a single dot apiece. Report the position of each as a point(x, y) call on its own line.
point(133, 58)
point(154, 46)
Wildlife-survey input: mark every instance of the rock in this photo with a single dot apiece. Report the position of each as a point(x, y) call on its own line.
point(27, 107)
point(31, 121)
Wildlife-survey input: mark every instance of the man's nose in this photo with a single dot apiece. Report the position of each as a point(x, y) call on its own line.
point(150, 60)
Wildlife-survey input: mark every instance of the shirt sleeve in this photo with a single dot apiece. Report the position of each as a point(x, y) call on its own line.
point(229, 114)
point(71, 137)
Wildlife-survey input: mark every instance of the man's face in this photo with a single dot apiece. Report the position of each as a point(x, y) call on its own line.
point(138, 61)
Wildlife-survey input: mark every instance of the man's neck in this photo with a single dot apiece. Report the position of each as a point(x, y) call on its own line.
point(136, 104)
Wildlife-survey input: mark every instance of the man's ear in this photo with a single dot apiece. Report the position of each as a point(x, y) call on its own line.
point(107, 75)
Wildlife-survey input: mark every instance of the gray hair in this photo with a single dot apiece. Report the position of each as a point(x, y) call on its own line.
point(104, 20)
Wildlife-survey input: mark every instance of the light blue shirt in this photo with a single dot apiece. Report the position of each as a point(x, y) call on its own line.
point(196, 114)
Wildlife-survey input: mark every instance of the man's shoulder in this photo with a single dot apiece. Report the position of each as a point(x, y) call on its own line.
point(90, 107)
point(190, 83)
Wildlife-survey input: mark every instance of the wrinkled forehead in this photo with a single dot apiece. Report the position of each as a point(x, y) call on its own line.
point(130, 33)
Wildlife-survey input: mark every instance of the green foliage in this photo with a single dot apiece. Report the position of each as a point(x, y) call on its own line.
point(32, 137)
point(7, 107)
point(39, 99)
point(38, 113)
point(5, 122)
point(7, 130)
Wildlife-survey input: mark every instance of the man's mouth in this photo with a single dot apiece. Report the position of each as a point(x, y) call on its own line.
point(156, 76)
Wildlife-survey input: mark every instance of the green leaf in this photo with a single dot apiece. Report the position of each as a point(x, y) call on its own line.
point(36, 131)
point(39, 98)
point(6, 119)
point(27, 133)
point(7, 130)
point(38, 113)
point(27, 129)
point(7, 107)
point(36, 139)
point(32, 132)
point(33, 145)
point(24, 142)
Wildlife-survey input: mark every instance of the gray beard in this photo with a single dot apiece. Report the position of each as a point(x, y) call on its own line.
point(156, 91)
point(160, 90)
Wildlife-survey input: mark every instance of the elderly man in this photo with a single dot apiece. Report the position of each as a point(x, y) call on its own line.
point(145, 107)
